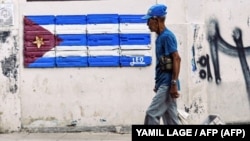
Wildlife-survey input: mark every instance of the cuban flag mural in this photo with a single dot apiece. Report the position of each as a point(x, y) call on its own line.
point(91, 40)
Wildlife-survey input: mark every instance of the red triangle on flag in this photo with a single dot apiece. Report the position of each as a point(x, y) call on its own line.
point(37, 39)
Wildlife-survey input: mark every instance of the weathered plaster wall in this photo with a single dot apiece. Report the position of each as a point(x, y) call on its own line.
point(89, 96)
point(9, 76)
point(119, 96)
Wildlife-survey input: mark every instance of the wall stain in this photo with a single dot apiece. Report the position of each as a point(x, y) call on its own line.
point(248, 21)
point(10, 63)
point(195, 107)
point(4, 35)
point(9, 69)
point(9, 66)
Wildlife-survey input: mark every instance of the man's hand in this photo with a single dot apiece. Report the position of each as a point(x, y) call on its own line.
point(174, 91)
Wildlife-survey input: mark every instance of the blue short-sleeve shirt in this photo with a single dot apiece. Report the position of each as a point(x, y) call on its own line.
point(165, 45)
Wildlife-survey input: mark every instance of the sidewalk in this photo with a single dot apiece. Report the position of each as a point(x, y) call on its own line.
point(78, 136)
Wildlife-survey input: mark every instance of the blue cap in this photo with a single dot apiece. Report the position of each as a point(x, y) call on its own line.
point(158, 10)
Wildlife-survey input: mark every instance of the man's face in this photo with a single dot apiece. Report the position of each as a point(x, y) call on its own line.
point(153, 24)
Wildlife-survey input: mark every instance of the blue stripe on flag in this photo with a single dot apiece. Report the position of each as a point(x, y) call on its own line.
point(73, 39)
point(102, 18)
point(42, 19)
point(135, 39)
point(103, 39)
point(132, 19)
point(135, 61)
point(72, 61)
point(103, 61)
point(43, 62)
point(71, 19)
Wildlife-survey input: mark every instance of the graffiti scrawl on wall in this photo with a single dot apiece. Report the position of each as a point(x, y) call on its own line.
point(217, 43)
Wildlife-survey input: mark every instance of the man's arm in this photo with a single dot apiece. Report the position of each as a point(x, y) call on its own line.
point(176, 65)
point(175, 74)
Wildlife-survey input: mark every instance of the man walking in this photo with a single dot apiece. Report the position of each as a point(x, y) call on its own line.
point(167, 70)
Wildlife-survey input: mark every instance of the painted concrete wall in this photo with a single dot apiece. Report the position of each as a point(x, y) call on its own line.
point(10, 115)
point(33, 98)
point(89, 96)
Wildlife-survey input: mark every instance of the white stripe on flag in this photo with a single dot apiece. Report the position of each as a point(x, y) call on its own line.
point(104, 53)
point(50, 54)
point(71, 48)
point(50, 28)
point(71, 53)
point(102, 28)
point(71, 29)
point(103, 47)
point(134, 28)
point(135, 47)
point(136, 53)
